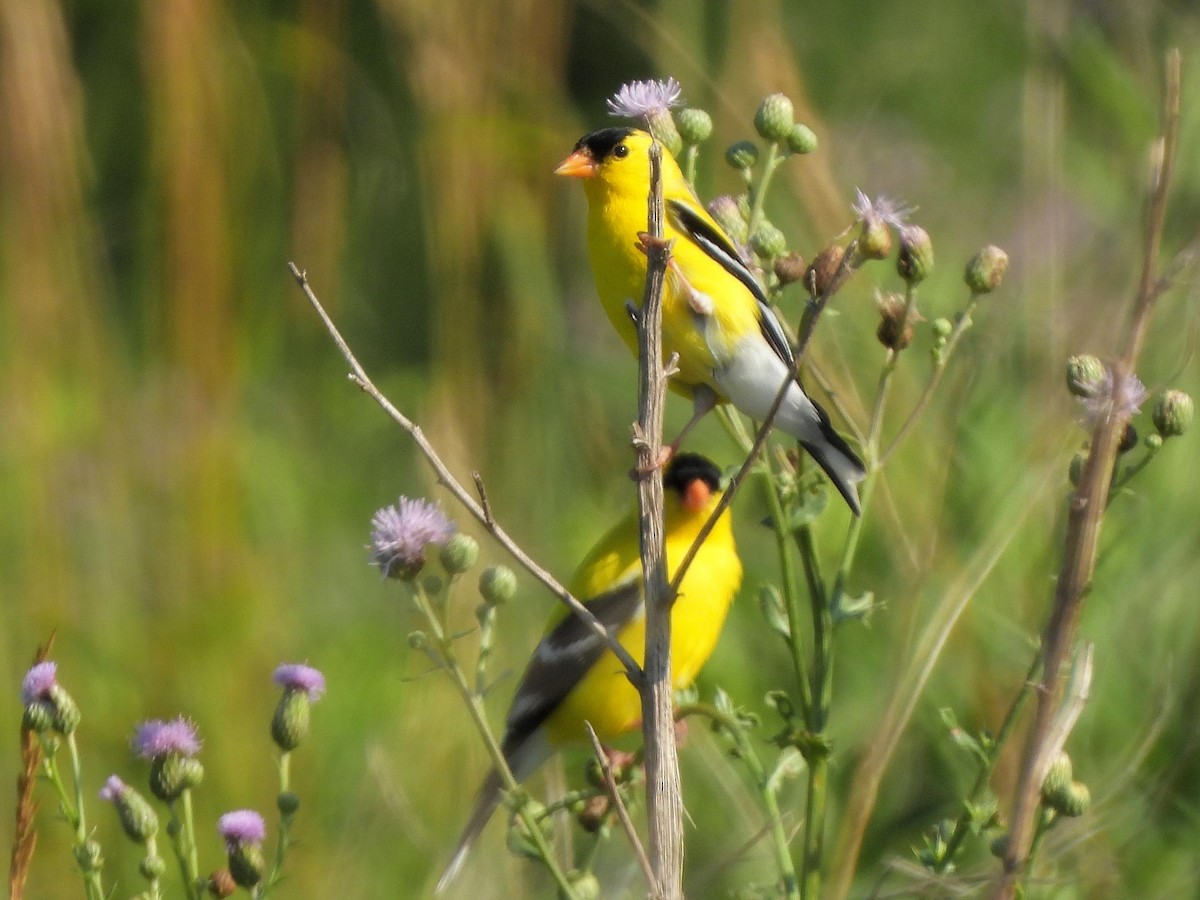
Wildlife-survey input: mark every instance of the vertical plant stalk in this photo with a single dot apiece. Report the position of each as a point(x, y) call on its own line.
point(1087, 507)
point(664, 793)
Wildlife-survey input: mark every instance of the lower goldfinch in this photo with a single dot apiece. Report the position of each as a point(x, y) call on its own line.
point(573, 677)
point(715, 314)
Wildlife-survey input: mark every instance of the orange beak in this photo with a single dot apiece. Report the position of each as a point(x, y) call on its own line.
point(696, 496)
point(579, 164)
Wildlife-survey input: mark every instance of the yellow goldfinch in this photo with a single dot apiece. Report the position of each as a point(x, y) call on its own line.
point(574, 678)
point(715, 314)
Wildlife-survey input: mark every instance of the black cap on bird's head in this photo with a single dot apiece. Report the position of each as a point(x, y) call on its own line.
point(593, 149)
point(694, 478)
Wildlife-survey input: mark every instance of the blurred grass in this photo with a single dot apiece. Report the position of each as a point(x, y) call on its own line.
point(187, 478)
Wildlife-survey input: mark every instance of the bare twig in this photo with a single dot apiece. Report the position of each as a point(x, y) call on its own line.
point(24, 834)
point(1088, 504)
point(483, 514)
point(610, 784)
point(664, 794)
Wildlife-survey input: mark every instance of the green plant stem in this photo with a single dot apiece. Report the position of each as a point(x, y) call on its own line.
point(766, 790)
point(479, 717)
point(1045, 820)
point(962, 825)
point(791, 598)
point(155, 889)
point(759, 193)
point(71, 806)
point(1130, 472)
point(285, 830)
point(187, 846)
point(689, 162)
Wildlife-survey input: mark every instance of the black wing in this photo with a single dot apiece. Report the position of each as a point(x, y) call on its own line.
point(563, 657)
point(716, 244)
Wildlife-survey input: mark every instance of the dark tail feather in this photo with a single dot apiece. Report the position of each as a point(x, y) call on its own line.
point(485, 804)
point(839, 462)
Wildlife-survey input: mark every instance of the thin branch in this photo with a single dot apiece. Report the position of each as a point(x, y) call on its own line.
point(359, 376)
point(610, 783)
point(664, 793)
point(1088, 504)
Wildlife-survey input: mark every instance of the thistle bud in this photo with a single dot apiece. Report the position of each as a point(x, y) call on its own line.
point(289, 725)
point(497, 585)
point(768, 241)
point(874, 238)
point(774, 117)
point(152, 867)
point(520, 841)
point(418, 640)
point(1086, 375)
point(1153, 442)
point(801, 139)
point(137, 816)
point(90, 857)
point(985, 271)
point(1058, 777)
point(288, 804)
point(221, 884)
point(172, 774)
point(584, 885)
point(1173, 413)
point(789, 268)
point(66, 710)
point(662, 126)
point(695, 125)
point(246, 864)
point(895, 329)
point(38, 717)
point(742, 155)
point(459, 554)
point(725, 210)
point(244, 832)
point(1075, 800)
point(915, 259)
point(823, 269)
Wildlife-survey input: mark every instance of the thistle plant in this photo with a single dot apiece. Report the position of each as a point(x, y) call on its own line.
point(172, 748)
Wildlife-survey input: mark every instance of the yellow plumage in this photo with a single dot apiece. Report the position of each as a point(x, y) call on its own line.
point(573, 677)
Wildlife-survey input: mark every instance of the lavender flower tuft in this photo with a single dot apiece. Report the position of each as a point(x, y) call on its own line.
point(641, 99)
point(400, 534)
point(156, 737)
point(300, 677)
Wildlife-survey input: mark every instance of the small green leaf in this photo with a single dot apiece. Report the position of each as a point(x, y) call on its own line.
point(770, 601)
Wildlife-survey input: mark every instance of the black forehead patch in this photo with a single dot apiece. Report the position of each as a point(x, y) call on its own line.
point(684, 468)
point(599, 144)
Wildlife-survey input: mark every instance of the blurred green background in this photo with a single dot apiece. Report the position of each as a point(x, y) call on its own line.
point(187, 479)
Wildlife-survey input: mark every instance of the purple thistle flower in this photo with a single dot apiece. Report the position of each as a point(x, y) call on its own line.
point(242, 826)
point(113, 789)
point(158, 738)
point(1110, 397)
point(885, 209)
point(400, 534)
point(299, 677)
point(39, 681)
point(642, 99)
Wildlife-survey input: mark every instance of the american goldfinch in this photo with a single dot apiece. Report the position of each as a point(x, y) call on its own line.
point(574, 678)
point(715, 314)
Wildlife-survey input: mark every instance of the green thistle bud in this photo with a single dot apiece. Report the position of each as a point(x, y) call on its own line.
point(289, 725)
point(774, 118)
point(136, 815)
point(1173, 413)
point(246, 864)
point(915, 259)
point(985, 271)
point(520, 841)
point(941, 328)
point(1153, 442)
point(1075, 800)
point(221, 883)
point(172, 774)
point(66, 711)
point(742, 155)
point(152, 867)
point(874, 238)
point(801, 139)
point(497, 585)
point(288, 804)
point(90, 857)
point(1058, 778)
point(695, 125)
point(895, 329)
point(418, 640)
point(662, 126)
point(727, 213)
point(459, 554)
point(38, 716)
point(789, 268)
point(823, 269)
point(584, 885)
point(768, 241)
point(1085, 375)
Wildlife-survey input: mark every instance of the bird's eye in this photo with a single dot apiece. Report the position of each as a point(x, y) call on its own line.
point(620, 151)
